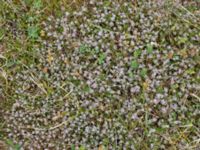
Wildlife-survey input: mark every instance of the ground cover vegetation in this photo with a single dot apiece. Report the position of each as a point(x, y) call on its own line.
point(106, 74)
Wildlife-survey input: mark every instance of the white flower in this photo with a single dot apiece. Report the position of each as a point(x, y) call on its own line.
point(135, 89)
point(134, 116)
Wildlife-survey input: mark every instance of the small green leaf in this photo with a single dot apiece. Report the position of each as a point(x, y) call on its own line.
point(31, 19)
point(86, 89)
point(190, 71)
point(76, 82)
point(73, 147)
point(60, 29)
point(130, 74)
point(37, 4)
point(174, 86)
point(143, 72)
point(96, 50)
point(134, 64)
point(174, 115)
point(82, 48)
point(101, 58)
point(105, 141)
point(107, 3)
point(182, 40)
point(17, 147)
point(102, 76)
point(137, 53)
point(82, 148)
point(149, 48)
point(160, 89)
point(13, 145)
point(33, 32)
point(28, 2)
point(176, 57)
point(2, 33)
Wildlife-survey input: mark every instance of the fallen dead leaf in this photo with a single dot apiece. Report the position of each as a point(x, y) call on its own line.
point(45, 69)
point(3, 146)
point(49, 57)
point(100, 147)
point(170, 55)
point(42, 33)
point(183, 53)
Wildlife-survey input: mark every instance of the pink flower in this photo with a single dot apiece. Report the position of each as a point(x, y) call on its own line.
point(134, 116)
point(156, 101)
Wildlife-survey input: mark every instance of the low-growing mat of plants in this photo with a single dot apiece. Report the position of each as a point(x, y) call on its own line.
point(99, 74)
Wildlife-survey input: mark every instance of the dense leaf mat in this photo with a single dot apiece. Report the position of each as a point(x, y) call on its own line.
point(100, 75)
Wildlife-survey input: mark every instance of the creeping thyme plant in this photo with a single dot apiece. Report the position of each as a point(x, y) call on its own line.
point(102, 75)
